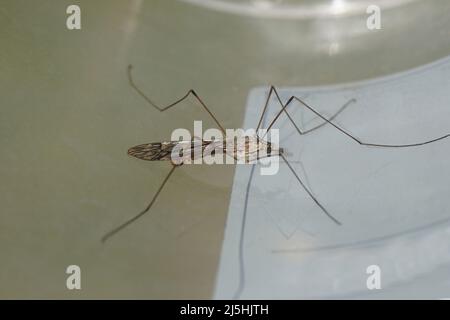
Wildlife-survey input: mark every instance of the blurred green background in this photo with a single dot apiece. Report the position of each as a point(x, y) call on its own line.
point(68, 115)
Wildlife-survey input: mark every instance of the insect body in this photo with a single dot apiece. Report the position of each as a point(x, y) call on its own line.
point(253, 148)
point(186, 152)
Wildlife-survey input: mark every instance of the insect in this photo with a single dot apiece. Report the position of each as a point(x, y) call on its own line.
point(161, 151)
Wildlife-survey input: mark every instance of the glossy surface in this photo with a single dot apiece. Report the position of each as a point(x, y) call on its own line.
point(68, 116)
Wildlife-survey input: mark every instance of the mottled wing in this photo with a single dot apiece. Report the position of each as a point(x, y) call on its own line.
point(153, 151)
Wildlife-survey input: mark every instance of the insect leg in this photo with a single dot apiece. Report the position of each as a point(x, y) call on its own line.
point(128, 222)
point(416, 144)
point(274, 91)
point(162, 109)
point(353, 100)
point(309, 192)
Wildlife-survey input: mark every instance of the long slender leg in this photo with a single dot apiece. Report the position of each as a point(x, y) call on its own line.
point(309, 192)
point(241, 286)
point(332, 117)
point(244, 219)
point(348, 134)
point(273, 90)
point(283, 109)
point(371, 144)
point(128, 222)
point(162, 109)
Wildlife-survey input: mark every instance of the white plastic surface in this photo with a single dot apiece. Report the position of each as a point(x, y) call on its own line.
point(393, 203)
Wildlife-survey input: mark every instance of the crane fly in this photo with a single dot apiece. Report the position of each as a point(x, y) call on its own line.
point(253, 149)
point(161, 151)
